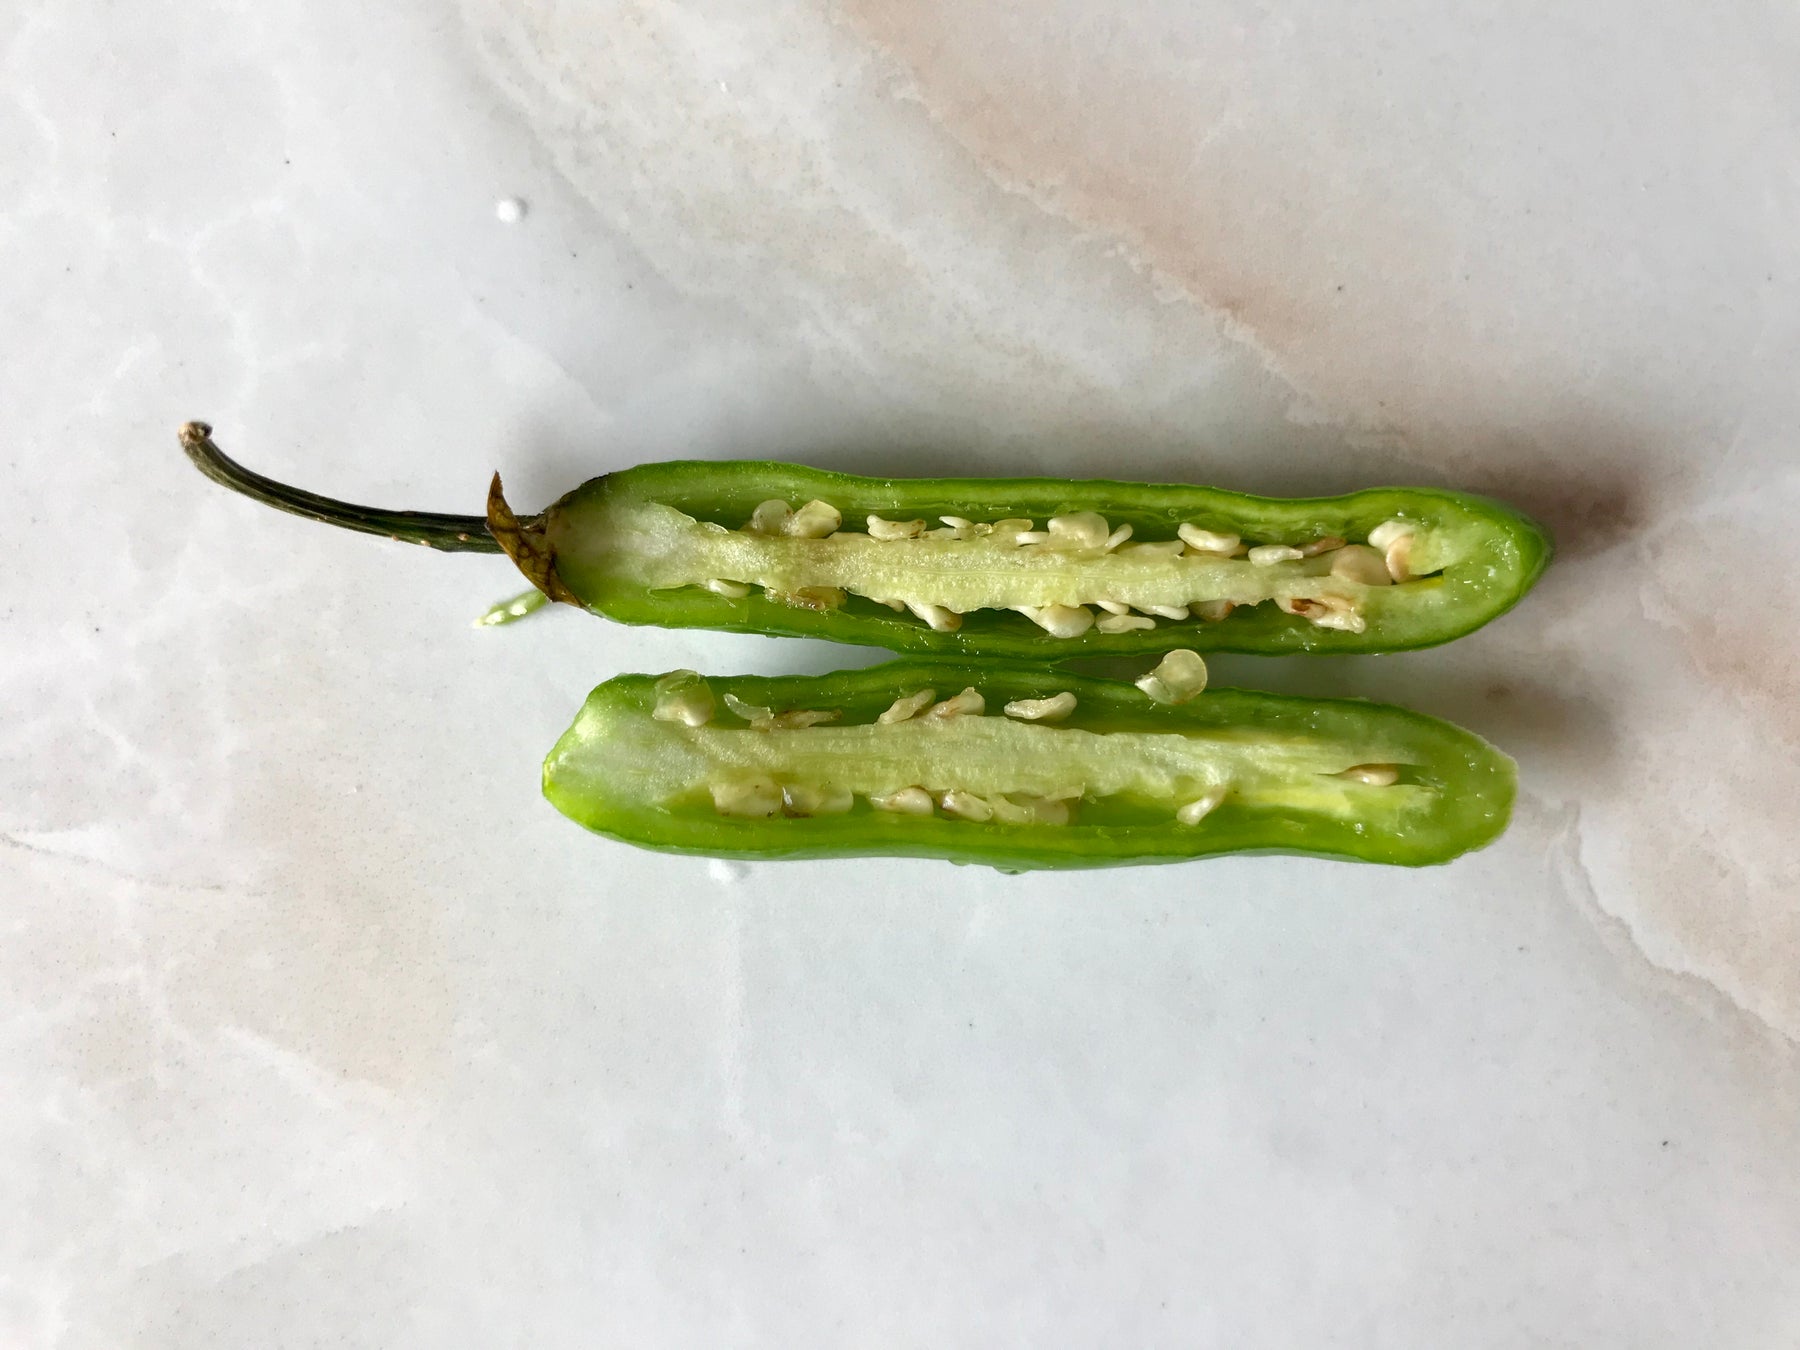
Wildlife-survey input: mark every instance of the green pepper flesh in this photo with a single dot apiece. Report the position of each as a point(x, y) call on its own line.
point(1126, 762)
point(639, 545)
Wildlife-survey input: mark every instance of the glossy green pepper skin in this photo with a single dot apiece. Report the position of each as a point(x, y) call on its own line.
point(623, 545)
point(1277, 764)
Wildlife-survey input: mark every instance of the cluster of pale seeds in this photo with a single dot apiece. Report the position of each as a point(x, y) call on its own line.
point(684, 697)
point(1383, 561)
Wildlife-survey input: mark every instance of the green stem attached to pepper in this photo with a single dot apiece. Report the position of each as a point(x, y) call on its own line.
point(447, 533)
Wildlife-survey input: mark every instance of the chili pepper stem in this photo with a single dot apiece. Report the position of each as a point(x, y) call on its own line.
point(448, 533)
point(525, 543)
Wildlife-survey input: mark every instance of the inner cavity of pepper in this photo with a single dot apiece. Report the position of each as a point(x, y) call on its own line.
point(952, 758)
point(1077, 573)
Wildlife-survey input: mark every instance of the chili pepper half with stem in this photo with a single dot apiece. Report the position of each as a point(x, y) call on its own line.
point(1038, 568)
point(1019, 767)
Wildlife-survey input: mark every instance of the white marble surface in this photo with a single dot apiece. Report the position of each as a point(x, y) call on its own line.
point(317, 1027)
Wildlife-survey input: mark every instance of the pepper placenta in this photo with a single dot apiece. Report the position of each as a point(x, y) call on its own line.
point(1036, 568)
point(1018, 767)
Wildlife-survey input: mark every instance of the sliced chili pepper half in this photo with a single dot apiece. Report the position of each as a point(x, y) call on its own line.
point(1018, 767)
point(1034, 568)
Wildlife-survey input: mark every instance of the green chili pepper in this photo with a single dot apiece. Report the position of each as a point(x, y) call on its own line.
point(1037, 568)
point(1018, 767)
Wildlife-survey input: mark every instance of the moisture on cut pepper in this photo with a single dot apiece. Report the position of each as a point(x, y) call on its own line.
point(1037, 568)
point(1019, 767)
